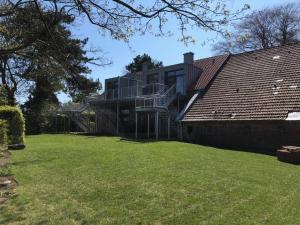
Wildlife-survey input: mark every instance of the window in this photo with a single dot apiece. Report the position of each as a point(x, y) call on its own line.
point(174, 73)
point(152, 78)
point(175, 77)
point(131, 82)
point(169, 81)
point(179, 84)
point(112, 89)
point(112, 85)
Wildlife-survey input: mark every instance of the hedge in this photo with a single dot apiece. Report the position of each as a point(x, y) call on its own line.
point(3, 132)
point(3, 95)
point(15, 124)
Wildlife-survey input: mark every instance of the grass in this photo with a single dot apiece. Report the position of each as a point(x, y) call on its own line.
point(69, 179)
point(5, 171)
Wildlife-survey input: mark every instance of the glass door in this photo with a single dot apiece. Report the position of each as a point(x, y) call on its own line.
point(180, 84)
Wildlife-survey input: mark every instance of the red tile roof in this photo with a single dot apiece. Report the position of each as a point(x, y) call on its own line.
point(257, 85)
point(210, 67)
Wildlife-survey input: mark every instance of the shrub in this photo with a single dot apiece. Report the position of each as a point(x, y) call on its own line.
point(15, 124)
point(3, 132)
point(3, 95)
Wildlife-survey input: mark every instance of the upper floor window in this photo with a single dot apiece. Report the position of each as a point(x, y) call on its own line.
point(174, 73)
point(112, 89)
point(176, 78)
point(112, 85)
point(152, 78)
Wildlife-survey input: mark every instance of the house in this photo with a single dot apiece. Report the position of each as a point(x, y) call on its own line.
point(247, 100)
point(145, 104)
point(253, 102)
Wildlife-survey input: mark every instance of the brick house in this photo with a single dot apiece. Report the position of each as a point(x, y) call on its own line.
point(252, 102)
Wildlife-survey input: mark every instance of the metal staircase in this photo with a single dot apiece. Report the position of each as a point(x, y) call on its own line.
point(160, 105)
point(83, 121)
point(152, 97)
point(157, 101)
point(76, 113)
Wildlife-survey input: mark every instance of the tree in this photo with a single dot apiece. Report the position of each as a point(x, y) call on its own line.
point(81, 87)
point(122, 19)
point(139, 60)
point(54, 55)
point(41, 103)
point(270, 27)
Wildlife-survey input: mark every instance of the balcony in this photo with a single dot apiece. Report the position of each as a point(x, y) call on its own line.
point(131, 92)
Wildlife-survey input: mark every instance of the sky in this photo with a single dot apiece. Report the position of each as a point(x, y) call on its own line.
point(166, 49)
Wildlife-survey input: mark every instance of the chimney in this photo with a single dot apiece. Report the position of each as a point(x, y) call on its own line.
point(188, 58)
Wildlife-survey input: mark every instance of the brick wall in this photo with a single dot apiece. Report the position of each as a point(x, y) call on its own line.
point(258, 135)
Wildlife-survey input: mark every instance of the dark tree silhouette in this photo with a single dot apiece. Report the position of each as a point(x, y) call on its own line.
point(139, 60)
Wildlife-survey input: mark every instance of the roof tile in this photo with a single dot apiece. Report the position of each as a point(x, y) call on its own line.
point(255, 85)
point(210, 67)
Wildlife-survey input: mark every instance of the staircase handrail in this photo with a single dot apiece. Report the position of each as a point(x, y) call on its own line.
point(168, 96)
point(160, 100)
point(74, 107)
point(95, 97)
point(155, 88)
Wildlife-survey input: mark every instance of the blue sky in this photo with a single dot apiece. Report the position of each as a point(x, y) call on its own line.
point(166, 49)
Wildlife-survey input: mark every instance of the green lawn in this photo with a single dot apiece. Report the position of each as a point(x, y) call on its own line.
point(69, 179)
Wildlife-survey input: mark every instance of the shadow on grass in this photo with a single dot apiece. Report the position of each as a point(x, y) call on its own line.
point(270, 152)
point(122, 138)
point(131, 139)
point(92, 135)
point(139, 140)
point(262, 151)
point(30, 162)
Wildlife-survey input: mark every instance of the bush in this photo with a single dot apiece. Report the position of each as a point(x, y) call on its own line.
point(3, 95)
point(15, 124)
point(3, 132)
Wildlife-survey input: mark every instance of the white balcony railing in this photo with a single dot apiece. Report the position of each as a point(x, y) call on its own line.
point(134, 91)
point(157, 101)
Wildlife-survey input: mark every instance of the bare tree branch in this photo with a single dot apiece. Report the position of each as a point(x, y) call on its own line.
point(270, 27)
